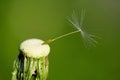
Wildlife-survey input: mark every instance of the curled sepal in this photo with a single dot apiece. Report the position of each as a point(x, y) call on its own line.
point(15, 69)
point(31, 69)
point(41, 69)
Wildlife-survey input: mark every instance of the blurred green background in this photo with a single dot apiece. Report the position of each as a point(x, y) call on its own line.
point(69, 59)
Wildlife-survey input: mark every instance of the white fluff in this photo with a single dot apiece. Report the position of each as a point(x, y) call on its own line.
point(34, 48)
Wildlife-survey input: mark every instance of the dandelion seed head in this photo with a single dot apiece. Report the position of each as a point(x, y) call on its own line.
point(34, 48)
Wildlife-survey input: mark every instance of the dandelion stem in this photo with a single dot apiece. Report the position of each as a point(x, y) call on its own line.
point(59, 37)
point(67, 34)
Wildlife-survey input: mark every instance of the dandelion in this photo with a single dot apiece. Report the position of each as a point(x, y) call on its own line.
point(32, 61)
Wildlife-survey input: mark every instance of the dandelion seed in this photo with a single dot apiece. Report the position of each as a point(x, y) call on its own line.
point(77, 22)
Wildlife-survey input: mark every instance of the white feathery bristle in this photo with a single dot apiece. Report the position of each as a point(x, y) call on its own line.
point(34, 48)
